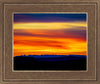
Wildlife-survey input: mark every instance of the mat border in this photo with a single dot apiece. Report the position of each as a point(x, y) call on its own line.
point(52, 13)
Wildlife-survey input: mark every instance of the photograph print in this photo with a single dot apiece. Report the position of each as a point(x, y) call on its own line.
point(49, 41)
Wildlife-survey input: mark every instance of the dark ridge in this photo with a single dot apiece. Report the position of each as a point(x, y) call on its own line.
point(50, 62)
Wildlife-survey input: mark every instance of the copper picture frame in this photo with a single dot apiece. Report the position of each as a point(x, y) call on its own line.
point(8, 75)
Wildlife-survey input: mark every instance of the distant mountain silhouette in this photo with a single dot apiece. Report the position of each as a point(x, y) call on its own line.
point(50, 62)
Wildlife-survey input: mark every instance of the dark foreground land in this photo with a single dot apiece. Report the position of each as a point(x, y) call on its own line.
point(50, 62)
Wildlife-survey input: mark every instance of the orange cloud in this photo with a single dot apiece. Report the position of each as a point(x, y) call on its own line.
point(43, 45)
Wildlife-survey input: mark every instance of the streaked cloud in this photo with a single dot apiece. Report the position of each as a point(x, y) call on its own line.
point(53, 25)
point(62, 35)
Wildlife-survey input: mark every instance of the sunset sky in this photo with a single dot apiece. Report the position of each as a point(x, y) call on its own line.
point(49, 34)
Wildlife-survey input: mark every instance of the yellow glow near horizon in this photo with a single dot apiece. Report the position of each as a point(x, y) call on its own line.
point(74, 47)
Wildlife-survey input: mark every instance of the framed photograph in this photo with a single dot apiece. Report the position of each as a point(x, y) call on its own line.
point(49, 41)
